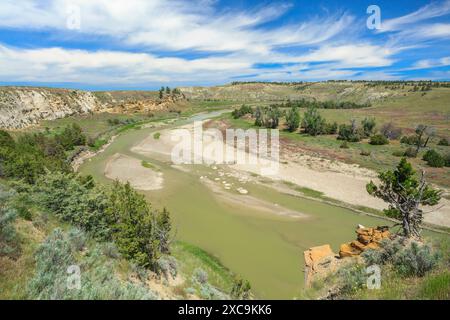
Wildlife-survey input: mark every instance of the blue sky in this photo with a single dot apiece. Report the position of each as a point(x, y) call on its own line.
point(143, 44)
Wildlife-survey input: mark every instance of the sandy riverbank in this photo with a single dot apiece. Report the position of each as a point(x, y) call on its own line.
point(335, 179)
point(127, 169)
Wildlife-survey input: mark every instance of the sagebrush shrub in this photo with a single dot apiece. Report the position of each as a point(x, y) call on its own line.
point(415, 260)
point(77, 238)
point(200, 275)
point(53, 258)
point(209, 292)
point(167, 266)
point(385, 254)
point(9, 241)
point(410, 152)
point(110, 250)
point(98, 279)
point(352, 278)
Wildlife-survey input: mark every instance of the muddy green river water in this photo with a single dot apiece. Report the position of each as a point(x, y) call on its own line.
point(264, 248)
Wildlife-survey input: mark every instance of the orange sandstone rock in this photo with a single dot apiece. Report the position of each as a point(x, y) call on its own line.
point(367, 238)
point(313, 256)
point(372, 245)
point(318, 260)
point(358, 245)
point(347, 250)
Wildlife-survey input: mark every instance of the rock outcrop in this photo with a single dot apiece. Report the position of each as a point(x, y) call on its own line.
point(318, 260)
point(367, 238)
point(21, 107)
point(321, 260)
point(148, 105)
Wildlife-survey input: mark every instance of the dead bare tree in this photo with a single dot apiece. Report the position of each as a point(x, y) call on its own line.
point(424, 134)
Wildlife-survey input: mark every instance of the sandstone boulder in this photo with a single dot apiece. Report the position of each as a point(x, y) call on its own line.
point(315, 255)
point(347, 250)
point(367, 238)
point(318, 260)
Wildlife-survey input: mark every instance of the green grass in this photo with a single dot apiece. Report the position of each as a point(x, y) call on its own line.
point(436, 287)
point(156, 135)
point(191, 257)
point(98, 143)
point(92, 124)
point(15, 273)
point(149, 165)
point(310, 192)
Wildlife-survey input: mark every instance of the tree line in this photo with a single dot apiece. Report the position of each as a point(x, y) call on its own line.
point(167, 92)
point(329, 104)
point(314, 124)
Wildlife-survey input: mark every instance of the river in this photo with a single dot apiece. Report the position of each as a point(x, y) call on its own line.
point(267, 249)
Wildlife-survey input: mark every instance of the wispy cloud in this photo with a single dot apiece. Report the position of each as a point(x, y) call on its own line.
point(418, 26)
point(64, 65)
point(433, 10)
point(173, 25)
point(431, 63)
point(161, 41)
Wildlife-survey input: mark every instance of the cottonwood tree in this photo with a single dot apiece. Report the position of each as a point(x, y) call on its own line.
point(293, 119)
point(405, 195)
point(259, 117)
point(268, 117)
point(368, 125)
point(272, 117)
point(313, 123)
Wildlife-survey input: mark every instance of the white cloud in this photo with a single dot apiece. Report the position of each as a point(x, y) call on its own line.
point(436, 30)
point(429, 11)
point(431, 63)
point(416, 27)
point(353, 55)
point(173, 25)
point(63, 65)
point(232, 42)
